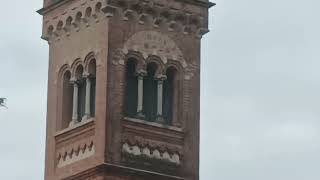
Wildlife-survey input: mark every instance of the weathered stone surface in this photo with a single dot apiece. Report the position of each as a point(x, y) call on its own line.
point(109, 145)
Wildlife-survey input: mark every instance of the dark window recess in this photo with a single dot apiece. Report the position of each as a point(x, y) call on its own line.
point(93, 97)
point(67, 98)
point(92, 71)
point(150, 93)
point(168, 95)
point(81, 99)
point(131, 98)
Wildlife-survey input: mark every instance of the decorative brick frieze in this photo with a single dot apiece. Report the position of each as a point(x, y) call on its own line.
point(173, 16)
point(148, 152)
point(75, 154)
point(135, 129)
point(78, 16)
point(149, 13)
point(75, 144)
point(151, 143)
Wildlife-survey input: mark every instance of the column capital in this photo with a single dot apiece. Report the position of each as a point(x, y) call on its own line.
point(141, 72)
point(160, 77)
point(74, 81)
point(86, 75)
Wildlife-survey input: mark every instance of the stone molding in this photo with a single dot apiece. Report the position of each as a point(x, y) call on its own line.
point(119, 57)
point(143, 135)
point(78, 153)
point(143, 12)
point(111, 171)
point(75, 144)
point(81, 15)
point(160, 15)
point(72, 65)
point(152, 43)
point(151, 153)
point(58, 3)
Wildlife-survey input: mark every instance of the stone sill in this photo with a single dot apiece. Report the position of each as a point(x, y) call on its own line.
point(75, 129)
point(153, 124)
point(152, 131)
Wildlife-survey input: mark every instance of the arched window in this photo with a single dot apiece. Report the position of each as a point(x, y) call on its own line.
point(131, 97)
point(81, 92)
point(170, 95)
point(92, 72)
point(150, 86)
point(67, 97)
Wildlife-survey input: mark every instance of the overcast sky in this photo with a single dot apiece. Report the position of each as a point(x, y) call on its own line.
point(260, 109)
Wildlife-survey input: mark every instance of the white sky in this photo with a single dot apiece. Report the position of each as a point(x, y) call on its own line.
point(260, 109)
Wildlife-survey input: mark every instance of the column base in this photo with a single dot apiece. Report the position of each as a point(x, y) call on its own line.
point(140, 115)
point(85, 117)
point(73, 123)
point(160, 119)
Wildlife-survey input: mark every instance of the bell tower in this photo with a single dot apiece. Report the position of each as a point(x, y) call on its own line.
point(123, 88)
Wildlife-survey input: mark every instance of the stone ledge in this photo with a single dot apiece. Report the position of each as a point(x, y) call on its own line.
point(52, 6)
point(107, 169)
point(154, 124)
point(78, 128)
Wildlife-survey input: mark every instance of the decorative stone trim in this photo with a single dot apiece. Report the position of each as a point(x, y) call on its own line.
point(151, 43)
point(142, 12)
point(154, 124)
point(75, 127)
point(159, 16)
point(81, 15)
point(190, 71)
point(134, 139)
point(73, 155)
point(75, 143)
point(151, 153)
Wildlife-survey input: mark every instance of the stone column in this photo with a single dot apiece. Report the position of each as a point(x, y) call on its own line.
point(140, 76)
point(87, 114)
point(160, 79)
point(75, 102)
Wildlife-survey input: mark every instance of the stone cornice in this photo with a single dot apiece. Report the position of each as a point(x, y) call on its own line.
point(54, 5)
point(147, 13)
point(206, 4)
point(74, 131)
point(101, 170)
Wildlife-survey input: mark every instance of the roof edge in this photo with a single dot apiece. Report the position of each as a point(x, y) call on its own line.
point(52, 6)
